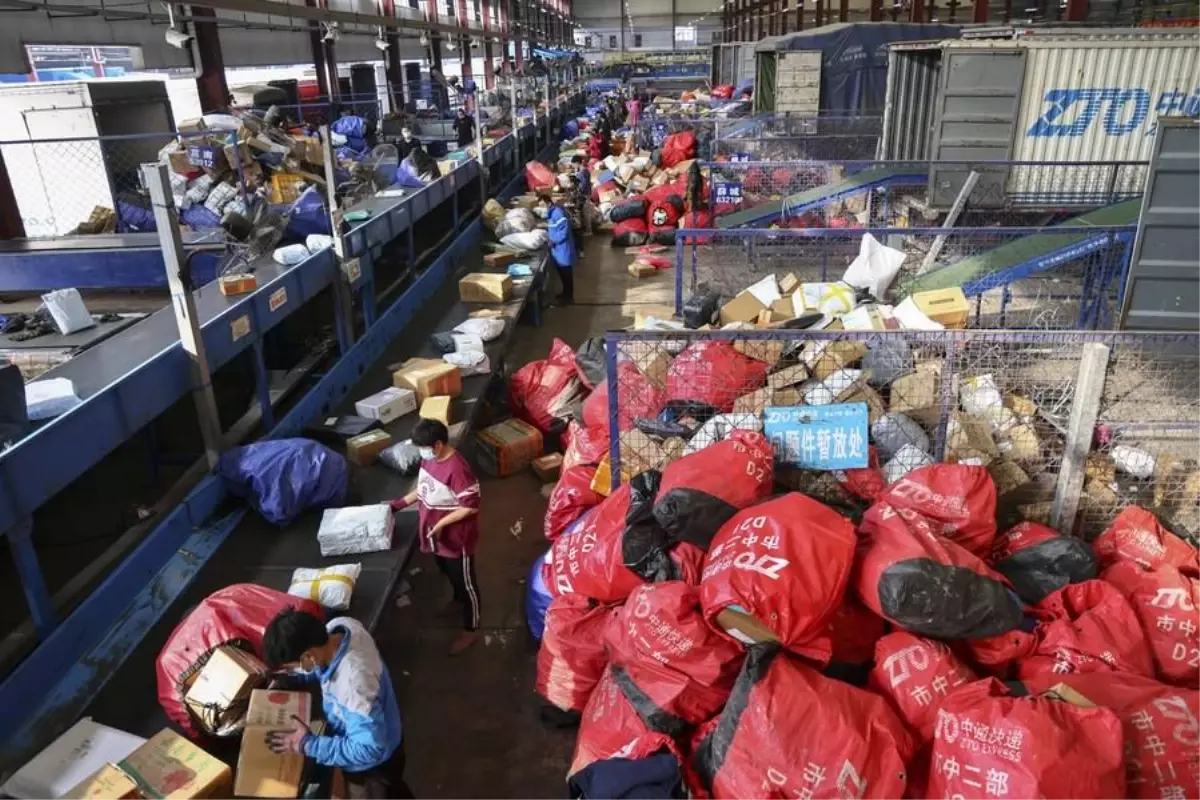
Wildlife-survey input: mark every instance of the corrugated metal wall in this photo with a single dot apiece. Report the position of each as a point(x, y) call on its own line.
point(1099, 100)
point(910, 104)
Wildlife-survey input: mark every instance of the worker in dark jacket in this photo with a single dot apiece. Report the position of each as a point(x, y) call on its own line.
point(464, 129)
point(407, 142)
point(562, 248)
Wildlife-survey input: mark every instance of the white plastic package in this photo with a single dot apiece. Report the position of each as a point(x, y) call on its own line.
point(49, 398)
point(533, 240)
point(834, 299)
point(199, 189)
point(466, 342)
point(332, 587)
point(907, 459)
point(486, 328)
point(841, 380)
point(892, 432)
point(766, 291)
point(221, 122)
point(912, 318)
point(980, 397)
point(815, 393)
point(469, 362)
point(718, 428)
point(875, 267)
point(1133, 461)
point(221, 195)
point(67, 308)
point(355, 529)
point(316, 242)
point(70, 760)
point(290, 255)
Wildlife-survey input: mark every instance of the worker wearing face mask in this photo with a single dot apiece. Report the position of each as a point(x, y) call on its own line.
point(407, 142)
point(447, 498)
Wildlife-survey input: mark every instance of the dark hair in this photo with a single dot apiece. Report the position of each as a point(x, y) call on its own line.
point(576, 159)
point(429, 432)
point(290, 634)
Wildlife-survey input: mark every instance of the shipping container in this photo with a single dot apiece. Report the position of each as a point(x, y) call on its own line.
point(838, 68)
point(1053, 95)
point(733, 64)
point(57, 162)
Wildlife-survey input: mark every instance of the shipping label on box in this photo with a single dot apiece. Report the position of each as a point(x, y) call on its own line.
point(363, 449)
point(387, 405)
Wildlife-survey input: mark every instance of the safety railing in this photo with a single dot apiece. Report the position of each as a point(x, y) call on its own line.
point(904, 193)
point(1033, 278)
point(1072, 426)
point(803, 147)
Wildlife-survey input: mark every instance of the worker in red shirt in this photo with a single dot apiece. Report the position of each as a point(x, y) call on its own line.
point(447, 495)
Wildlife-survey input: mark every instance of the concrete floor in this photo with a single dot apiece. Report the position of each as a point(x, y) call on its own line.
point(471, 726)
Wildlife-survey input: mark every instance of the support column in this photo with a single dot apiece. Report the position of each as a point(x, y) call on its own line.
point(1077, 10)
point(784, 6)
point(11, 224)
point(844, 11)
point(799, 15)
point(318, 51)
point(210, 72)
point(489, 69)
point(980, 13)
point(877, 10)
point(916, 11)
point(392, 71)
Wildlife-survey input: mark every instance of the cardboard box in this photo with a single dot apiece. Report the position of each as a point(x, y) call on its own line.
point(642, 315)
point(1021, 444)
point(970, 438)
point(548, 466)
point(768, 350)
point(639, 270)
point(743, 627)
point(238, 156)
point(500, 259)
point(241, 283)
point(485, 287)
point(788, 284)
point(428, 377)
point(788, 376)
point(602, 480)
point(1008, 476)
point(754, 402)
point(947, 306)
point(436, 407)
point(672, 449)
point(861, 392)
point(828, 357)
point(745, 307)
point(1060, 691)
point(363, 449)
point(638, 452)
point(509, 446)
point(166, 766)
point(917, 392)
point(260, 772)
point(783, 309)
point(220, 694)
point(387, 405)
point(179, 162)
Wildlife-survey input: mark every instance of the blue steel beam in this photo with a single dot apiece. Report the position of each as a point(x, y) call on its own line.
point(92, 642)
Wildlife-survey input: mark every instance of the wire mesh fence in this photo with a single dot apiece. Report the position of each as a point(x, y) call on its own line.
point(817, 193)
point(848, 413)
point(800, 147)
point(1041, 278)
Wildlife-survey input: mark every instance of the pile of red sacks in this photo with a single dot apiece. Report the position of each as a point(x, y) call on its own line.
point(704, 621)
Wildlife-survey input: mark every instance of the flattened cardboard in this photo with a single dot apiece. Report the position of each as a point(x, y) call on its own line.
point(167, 766)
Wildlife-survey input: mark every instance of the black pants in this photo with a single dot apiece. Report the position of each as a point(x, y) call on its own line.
point(567, 276)
point(386, 780)
point(461, 574)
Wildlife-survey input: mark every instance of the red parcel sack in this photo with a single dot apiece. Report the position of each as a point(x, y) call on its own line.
point(715, 374)
point(788, 731)
point(612, 728)
point(987, 744)
point(916, 675)
point(542, 392)
point(1166, 602)
point(538, 176)
point(1137, 535)
point(237, 615)
point(571, 658)
point(702, 490)
point(637, 396)
point(584, 445)
point(927, 584)
point(572, 496)
point(1039, 560)
point(959, 501)
point(678, 147)
point(674, 668)
point(786, 563)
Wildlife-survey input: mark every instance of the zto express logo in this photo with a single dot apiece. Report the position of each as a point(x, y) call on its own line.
point(1072, 112)
point(659, 217)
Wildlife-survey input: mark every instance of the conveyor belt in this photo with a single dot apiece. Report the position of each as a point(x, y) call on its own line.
point(257, 552)
point(1029, 254)
point(820, 196)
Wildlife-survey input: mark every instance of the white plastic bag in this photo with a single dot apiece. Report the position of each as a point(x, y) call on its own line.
point(718, 428)
point(533, 240)
point(355, 529)
point(331, 587)
point(49, 398)
point(834, 299)
point(907, 459)
point(913, 319)
point(469, 362)
point(316, 242)
point(290, 255)
point(841, 380)
point(1133, 461)
point(67, 308)
point(892, 432)
point(221, 195)
point(875, 267)
point(980, 397)
point(486, 328)
point(766, 291)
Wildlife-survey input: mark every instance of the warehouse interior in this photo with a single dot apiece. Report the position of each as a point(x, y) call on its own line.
point(663, 398)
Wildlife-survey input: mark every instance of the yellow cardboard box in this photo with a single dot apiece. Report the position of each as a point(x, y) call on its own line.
point(166, 766)
point(261, 772)
point(485, 287)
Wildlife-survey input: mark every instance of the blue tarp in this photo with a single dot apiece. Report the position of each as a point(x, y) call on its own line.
point(282, 478)
point(854, 59)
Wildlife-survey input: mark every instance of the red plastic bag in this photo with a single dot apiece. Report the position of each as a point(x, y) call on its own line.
point(788, 731)
point(584, 445)
point(865, 482)
point(571, 658)
point(612, 728)
point(538, 176)
point(701, 491)
point(681, 669)
point(630, 232)
point(785, 562)
point(238, 614)
point(697, 218)
point(542, 392)
point(1039, 560)
point(916, 675)
point(854, 630)
point(662, 214)
point(722, 92)
point(960, 502)
point(927, 584)
point(1087, 627)
point(1136, 535)
point(998, 654)
point(755, 180)
point(572, 496)
point(713, 373)
point(637, 396)
point(678, 147)
point(1161, 727)
point(986, 744)
point(1166, 602)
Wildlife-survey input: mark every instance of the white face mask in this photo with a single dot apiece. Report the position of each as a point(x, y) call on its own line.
point(426, 453)
point(407, 135)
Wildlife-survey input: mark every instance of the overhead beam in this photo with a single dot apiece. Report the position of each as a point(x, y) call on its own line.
point(268, 7)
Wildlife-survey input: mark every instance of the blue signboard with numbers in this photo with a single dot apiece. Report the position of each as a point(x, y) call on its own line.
point(202, 155)
point(727, 192)
point(818, 437)
point(658, 133)
point(740, 157)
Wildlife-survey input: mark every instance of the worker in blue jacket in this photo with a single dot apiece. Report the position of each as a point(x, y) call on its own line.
point(562, 248)
point(362, 719)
